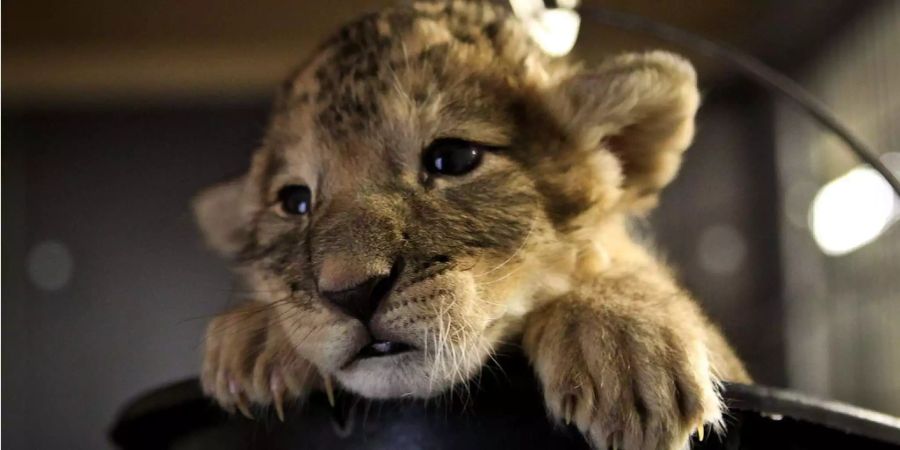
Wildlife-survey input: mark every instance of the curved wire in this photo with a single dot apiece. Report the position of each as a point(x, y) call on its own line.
point(751, 67)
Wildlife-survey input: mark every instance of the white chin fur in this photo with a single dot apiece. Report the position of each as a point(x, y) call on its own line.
point(408, 375)
point(402, 375)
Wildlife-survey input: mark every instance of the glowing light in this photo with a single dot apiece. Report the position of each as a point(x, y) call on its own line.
point(852, 211)
point(49, 265)
point(554, 30)
point(721, 249)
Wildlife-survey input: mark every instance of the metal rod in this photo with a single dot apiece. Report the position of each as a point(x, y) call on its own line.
point(751, 67)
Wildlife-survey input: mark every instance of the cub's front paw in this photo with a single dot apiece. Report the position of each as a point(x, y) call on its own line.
point(248, 361)
point(625, 382)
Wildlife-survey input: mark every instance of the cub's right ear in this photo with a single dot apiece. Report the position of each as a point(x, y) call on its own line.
point(221, 214)
point(639, 107)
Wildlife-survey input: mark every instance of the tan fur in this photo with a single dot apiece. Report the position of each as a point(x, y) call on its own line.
point(532, 245)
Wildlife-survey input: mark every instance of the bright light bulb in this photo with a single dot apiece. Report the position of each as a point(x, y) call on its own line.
point(852, 211)
point(554, 30)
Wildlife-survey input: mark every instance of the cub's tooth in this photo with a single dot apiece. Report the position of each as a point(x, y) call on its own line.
point(277, 388)
point(700, 432)
point(329, 389)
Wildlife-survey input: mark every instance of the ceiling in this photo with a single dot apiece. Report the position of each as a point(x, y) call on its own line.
point(59, 52)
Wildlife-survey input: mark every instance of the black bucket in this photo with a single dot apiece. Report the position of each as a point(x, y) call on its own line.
point(500, 409)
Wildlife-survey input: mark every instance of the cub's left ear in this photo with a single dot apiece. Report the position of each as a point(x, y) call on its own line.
point(219, 212)
point(639, 107)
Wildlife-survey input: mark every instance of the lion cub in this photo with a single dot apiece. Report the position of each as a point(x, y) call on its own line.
point(432, 186)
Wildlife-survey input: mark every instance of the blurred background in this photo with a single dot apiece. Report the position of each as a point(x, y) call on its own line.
point(115, 113)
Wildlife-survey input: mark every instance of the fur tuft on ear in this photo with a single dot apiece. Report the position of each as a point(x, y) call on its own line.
point(220, 215)
point(639, 107)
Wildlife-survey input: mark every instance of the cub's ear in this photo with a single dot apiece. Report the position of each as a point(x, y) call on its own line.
point(221, 216)
point(639, 107)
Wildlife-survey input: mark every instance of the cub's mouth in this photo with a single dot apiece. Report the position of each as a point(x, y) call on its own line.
point(378, 350)
point(383, 348)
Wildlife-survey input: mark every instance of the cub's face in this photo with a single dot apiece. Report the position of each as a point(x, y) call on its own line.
point(427, 177)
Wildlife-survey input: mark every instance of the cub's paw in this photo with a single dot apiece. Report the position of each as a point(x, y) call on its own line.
point(626, 383)
point(248, 362)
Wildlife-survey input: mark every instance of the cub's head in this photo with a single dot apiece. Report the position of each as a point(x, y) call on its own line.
point(428, 177)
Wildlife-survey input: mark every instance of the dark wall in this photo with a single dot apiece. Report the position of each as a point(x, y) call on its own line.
point(109, 191)
point(718, 225)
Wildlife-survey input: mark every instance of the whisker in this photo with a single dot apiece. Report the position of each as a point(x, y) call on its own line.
point(247, 316)
point(515, 253)
point(503, 277)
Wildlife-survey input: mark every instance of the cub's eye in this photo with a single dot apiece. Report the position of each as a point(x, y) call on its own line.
point(452, 157)
point(295, 199)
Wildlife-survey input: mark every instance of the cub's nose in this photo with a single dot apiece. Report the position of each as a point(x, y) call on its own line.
point(358, 301)
point(361, 298)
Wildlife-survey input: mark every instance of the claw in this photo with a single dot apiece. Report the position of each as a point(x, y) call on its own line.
point(700, 431)
point(329, 389)
point(242, 407)
point(239, 399)
point(277, 388)
point(567, 410)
